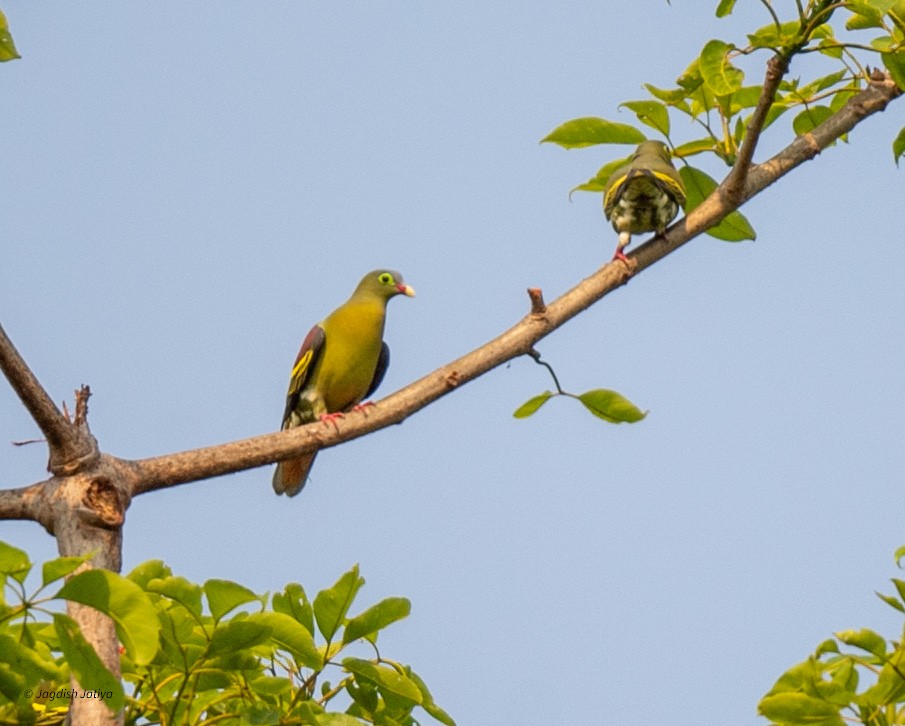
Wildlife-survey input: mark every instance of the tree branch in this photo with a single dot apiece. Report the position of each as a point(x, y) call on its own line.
point(164, 471)
point(873, 99)
point(148, 475)
point(777, 67)
point(21, 503)
point(70, 447)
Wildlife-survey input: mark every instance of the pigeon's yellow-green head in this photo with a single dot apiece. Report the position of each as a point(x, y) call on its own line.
point(652, 149)
point(384, 284)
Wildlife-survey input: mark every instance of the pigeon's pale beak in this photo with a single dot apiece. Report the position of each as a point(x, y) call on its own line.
point(406, 289)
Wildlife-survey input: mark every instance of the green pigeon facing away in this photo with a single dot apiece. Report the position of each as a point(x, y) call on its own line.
point(341, 363)
point(645, 195)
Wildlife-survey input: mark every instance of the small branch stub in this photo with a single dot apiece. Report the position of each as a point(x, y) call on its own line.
point(538, 306)
point(81, 406)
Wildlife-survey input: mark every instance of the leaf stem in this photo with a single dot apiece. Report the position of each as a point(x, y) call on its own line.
point(537, 359)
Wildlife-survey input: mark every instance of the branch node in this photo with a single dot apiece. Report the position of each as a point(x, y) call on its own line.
point(877, 75)
point(812, 144)
point(73, 466)
point(451, 379)
point(538, 306)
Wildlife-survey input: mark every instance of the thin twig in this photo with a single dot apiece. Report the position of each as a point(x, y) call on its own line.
point(26, 442)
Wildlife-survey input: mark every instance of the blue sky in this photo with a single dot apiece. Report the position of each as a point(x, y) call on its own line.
point(188, 188)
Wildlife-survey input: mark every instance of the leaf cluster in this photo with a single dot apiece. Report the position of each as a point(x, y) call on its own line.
point(712, 93)
point(607, 405)
point(856, 677)
point(193, 653)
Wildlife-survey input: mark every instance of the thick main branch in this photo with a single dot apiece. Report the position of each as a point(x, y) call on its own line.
point(187, 466)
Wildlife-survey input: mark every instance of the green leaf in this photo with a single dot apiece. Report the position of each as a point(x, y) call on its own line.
point(672, 97)
point(180, 590)
point(142, 574)
point(745, 97)
point(900, 587)
point(883, 43)
point(890, 686)
point(294, 602)
point(898, 555)
point(7, 47)
point(810, 118)
point(691, 148)
point(831, 48)
point(769, 36)
point(271, 686)
point(897, 14)
point(691, 79)
point(332, 604)
point(724, 8)
point(734, 227)
point(592, 185)
point(14, 562)
point(830, 80)
point(376, 618)
point(651, 113)
point(25, 661)
point(606, 171)
point(864, 639)
point(891, 601)
point(588, 131)
point(387, 679)
point(225, 595)
point(130, 608)
point(611, 406)
point(54, 570)
point(530, 406)
point(718, 73)
point(846, 675)
point(698, 186)
point(292, 636)
point(427, 700)
point(799, 708)
point(895, 64)
point(85, 664)
point(898, 149)
point(827, 646)
point(12, 685)
point(237, 634)
point(864, 15)
point(337, 719)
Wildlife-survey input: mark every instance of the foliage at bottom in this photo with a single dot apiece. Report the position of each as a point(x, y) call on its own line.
point(212, 653)
point(855, 678)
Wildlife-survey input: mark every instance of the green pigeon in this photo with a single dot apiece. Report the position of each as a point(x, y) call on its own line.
point(341, 362)
point(645, 195)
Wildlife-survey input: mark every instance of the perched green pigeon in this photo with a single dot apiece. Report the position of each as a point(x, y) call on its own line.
point(341, 363)
point(645, 195)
